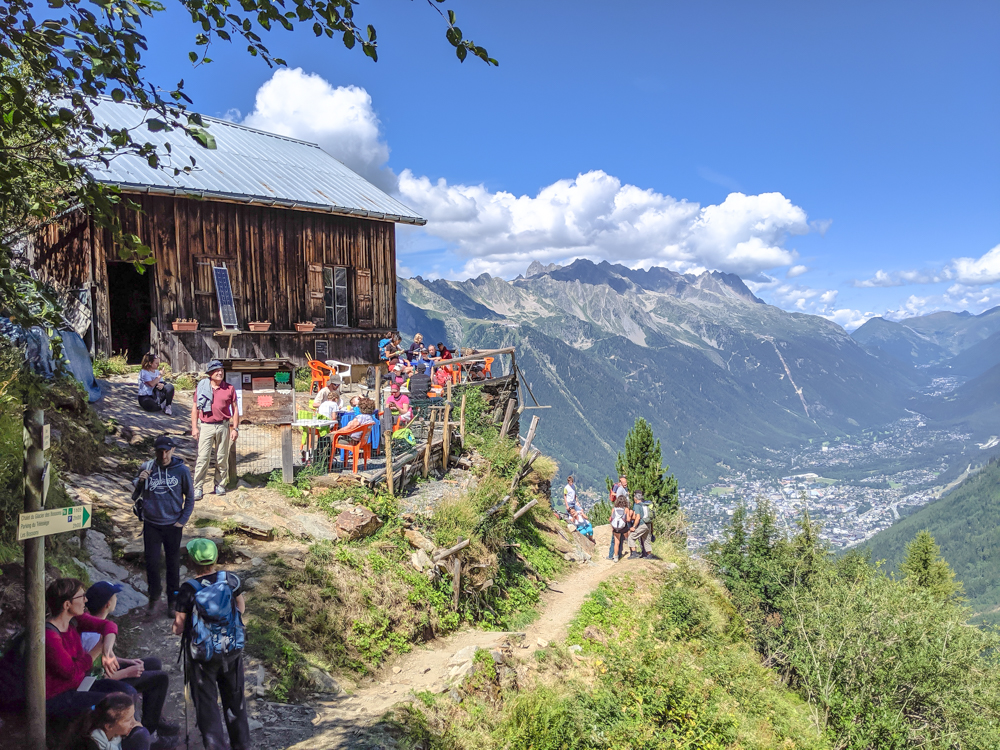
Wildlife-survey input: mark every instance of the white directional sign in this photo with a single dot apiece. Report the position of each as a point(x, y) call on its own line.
point(55, 521)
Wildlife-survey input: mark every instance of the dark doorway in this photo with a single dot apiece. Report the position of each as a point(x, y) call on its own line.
point(130, 301)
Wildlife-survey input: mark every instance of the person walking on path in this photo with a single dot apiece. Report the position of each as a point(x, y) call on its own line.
point(640, 538)
point(215, 424)
point(219, 673)
point(154, 394)
point(167, 500)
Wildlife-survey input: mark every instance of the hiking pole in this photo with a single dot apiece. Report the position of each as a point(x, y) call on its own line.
point(187, 732)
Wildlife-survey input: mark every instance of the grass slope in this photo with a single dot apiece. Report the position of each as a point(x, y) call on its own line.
point(966, 525)
point(658, 660)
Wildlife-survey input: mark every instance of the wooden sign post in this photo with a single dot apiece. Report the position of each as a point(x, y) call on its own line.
point(34, 579)
point(446, 438)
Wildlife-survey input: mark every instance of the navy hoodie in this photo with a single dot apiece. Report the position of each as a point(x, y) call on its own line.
point(168, 494)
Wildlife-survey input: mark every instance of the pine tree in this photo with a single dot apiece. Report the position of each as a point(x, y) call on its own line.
point(642, 463)
point(926, 569)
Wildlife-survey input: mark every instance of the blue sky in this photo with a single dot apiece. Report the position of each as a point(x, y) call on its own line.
point(844, 158)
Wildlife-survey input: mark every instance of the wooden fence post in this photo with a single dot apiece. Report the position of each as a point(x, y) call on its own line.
point(456, 580)
point(430, 440)
point(507, 417)
point(378, 388)
point(387, 436)
point(531, 436)
point(287, 468)
point(34, 581)
point(446, 441)
point(461, 420)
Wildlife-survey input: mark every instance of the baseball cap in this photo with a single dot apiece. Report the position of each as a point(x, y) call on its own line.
point(164, 443)
point(202, 551)
point(213, 366)
point(100, 594)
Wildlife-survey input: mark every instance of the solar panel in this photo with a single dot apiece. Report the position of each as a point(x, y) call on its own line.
point(224, 291)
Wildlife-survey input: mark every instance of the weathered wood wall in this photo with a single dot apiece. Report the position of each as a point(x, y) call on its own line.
point(274, 256)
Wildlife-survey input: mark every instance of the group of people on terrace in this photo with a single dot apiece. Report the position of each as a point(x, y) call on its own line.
point(631, 519)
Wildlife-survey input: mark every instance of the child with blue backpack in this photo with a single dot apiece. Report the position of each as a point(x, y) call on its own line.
point(209, 619)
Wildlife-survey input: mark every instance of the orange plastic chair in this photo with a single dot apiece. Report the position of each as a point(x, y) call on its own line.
point(489, 364)
point(317, 378)
point(362, 447)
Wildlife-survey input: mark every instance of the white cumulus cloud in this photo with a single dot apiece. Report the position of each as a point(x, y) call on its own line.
point(340, 119)
point(796, 271)
point(977, 271)
point(595, 216)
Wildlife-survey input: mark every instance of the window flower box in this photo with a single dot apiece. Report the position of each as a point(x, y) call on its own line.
point(260, 325)
point(304, 327)
point(184, 324)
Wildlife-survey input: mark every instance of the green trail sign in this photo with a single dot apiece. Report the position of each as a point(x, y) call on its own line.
point(55, 521)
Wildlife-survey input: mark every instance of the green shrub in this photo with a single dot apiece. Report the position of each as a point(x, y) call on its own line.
point(116, 364)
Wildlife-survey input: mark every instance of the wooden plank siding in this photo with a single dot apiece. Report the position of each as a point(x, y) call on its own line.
point(274, 256)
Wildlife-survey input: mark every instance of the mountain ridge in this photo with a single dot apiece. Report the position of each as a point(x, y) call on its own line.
point(721, 375)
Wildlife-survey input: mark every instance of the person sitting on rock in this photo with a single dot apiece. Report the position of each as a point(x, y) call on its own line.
point(67, 662)
point(399, 404)
point(220, 674)
point(167, 492)
point(145, 675)
point(154, 394)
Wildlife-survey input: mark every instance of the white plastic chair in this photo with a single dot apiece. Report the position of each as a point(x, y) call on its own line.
point(342, 369)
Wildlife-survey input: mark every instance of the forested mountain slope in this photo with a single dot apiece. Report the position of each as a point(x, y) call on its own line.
point(966, 526)
point(720, 375)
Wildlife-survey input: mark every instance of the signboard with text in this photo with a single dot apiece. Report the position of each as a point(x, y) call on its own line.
point(55, 521)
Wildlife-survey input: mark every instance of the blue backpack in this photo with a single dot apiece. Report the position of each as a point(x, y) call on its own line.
point(216, 623)
point(382, 344)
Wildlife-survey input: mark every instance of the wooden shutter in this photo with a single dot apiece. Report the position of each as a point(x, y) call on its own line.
point(316, 310)
point(363, 297)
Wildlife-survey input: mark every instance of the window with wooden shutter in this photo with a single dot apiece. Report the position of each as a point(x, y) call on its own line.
point(316, 294)
point(335, 296)
point(363, 297)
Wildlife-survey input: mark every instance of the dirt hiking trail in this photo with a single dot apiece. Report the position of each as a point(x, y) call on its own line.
point(351, 721)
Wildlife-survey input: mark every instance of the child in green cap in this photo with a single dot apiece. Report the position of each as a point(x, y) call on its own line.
point(222, 674)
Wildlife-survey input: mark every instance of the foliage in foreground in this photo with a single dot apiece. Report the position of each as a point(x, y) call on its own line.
point(886, 663)
point(663, 665)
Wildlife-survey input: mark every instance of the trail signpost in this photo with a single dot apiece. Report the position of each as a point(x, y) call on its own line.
point(55, 521)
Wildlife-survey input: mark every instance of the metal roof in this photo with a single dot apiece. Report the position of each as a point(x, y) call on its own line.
point(248, 166)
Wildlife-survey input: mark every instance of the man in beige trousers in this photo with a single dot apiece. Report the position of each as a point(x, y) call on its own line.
point(215, 424)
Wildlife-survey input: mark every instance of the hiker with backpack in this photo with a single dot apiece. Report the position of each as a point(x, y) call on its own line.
point(164, 501)
point(618, 490)
point(209, 620)
point(623, 521)
point(641, 535)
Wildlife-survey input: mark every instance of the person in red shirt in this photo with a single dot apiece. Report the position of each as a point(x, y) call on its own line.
point(67, 663)
point(215, 424)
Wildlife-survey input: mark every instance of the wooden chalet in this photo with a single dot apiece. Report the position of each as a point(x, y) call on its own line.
point(304, 240)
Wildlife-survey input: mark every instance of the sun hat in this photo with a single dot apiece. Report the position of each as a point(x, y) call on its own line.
point(213, 366)
point(202, 551)
point(100, 594)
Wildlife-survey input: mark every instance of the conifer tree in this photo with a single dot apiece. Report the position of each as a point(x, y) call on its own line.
point(642, 463)
point(924, 568)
